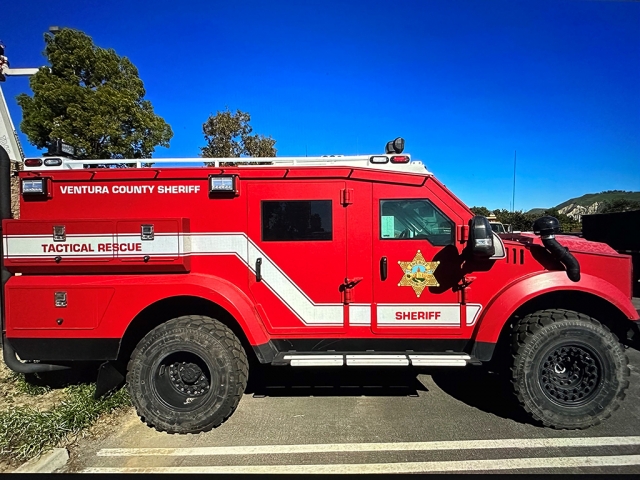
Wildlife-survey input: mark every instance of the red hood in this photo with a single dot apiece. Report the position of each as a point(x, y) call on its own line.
point(575, 244)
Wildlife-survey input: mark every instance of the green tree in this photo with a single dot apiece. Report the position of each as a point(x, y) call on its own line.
point(228, 134)
point(523, 221)
point(519, 220)
point(619, 205)
point(91, 98)
point(484, 211)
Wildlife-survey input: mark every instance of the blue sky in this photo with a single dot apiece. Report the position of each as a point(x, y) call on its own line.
point(465, 82)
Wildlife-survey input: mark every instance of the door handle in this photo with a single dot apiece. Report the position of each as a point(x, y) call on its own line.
point(383, 268)
point(346, 288)
point(351, 282)
point(258, 269)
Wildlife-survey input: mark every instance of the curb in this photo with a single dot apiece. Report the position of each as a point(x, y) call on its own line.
point(46, 463)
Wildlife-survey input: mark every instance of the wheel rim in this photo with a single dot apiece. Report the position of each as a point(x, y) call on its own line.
point(571, 375)
point(182, 380)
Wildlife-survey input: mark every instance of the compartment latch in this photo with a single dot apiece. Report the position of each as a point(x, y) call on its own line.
point(59, 233)
point(60, 299)
point(146, 232)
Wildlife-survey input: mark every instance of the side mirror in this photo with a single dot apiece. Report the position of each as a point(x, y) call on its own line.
point(481, 238)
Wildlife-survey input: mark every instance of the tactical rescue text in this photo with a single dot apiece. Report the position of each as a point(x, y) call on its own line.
point(87, 247)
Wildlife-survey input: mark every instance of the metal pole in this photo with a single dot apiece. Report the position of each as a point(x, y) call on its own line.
point(513, 203)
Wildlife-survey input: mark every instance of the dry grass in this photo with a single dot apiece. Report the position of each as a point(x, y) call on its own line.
point(35, 417)
point(16, 392)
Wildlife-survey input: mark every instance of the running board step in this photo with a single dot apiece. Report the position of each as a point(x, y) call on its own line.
point(374, 359)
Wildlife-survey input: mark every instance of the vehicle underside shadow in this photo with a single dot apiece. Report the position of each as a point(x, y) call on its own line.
point(284, 381)
point(480, 388)
point(475, 386)
point(77, 375)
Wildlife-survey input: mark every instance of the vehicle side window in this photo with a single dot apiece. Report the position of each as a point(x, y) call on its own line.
point(296, 220)
point(415, 219)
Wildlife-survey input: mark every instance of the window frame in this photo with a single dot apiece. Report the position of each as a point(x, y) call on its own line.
point(452, 224)
point(262, 238)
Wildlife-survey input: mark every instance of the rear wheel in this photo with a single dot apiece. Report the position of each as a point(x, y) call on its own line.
point(569, 370)
point(187, 375)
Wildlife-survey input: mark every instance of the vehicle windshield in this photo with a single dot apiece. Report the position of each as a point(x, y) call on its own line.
point(498, 228)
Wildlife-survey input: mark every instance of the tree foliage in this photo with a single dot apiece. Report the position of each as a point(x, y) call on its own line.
point(228, 134)
point(519, 220)
point(484, 211)
point(523, 221)
point(91, 98)
point(619, 205)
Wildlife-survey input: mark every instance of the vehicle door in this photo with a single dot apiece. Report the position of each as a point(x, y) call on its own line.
point(417, 265)
point(297, 255)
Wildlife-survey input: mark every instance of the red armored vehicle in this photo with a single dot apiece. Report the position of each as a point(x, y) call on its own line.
point(175, 276)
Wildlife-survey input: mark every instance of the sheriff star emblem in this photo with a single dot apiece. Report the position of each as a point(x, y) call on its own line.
point(418, 274)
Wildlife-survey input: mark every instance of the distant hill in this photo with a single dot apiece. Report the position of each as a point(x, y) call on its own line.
point(591, 198)
point(537, 211)
point(590, 203)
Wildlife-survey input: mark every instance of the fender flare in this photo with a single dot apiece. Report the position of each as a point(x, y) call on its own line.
point(221, 292)
point(504, 305)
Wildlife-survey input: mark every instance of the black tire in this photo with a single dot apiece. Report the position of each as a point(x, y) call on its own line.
point(569, 371)
point(197, 354)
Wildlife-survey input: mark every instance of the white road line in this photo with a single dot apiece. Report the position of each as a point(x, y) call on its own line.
point(404, 467)
point(519, 443)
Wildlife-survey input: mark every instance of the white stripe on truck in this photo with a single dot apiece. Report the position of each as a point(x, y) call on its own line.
point(239, 245)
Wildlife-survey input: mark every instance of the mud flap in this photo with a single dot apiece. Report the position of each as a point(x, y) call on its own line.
point(110, 377)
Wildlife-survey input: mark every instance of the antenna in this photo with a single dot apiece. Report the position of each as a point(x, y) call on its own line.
point(513, 203)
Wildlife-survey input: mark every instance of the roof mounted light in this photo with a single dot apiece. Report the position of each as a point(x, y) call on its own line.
point(400, 159)
point(57, 148)
point(33, 162)
point(53, 162)
point(378, 159)
point(395, 146)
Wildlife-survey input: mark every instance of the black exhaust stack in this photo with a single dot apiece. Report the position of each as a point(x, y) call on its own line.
point(547, 227)
point(8, 352)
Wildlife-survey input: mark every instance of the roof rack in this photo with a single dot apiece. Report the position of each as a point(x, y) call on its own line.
point(402, 163)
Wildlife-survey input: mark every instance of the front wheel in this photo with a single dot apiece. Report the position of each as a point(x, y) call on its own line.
point(569, 371)
point(187, 375)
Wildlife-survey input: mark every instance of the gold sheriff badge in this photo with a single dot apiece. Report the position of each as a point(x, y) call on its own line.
point(418, 274)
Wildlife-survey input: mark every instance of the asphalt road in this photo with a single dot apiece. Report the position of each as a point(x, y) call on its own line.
point(373, 420)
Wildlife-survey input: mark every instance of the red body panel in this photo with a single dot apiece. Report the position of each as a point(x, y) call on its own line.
point(206, 246)
point(131, 294)
point(515, 295)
